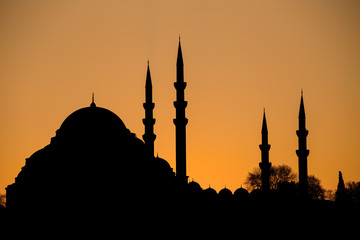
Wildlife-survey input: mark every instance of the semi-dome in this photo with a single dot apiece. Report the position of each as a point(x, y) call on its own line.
point(162, 164)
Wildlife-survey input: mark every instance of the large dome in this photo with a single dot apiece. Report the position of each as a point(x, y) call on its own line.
point(92, 121)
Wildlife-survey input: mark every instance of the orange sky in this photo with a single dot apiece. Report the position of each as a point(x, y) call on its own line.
point(239, 57)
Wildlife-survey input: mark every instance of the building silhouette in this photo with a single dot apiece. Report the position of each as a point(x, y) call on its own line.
point(93, 151)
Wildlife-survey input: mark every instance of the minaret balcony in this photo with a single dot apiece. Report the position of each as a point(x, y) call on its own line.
point(180, 122)
point(265, 165)
point(302, 153)
point(149, 137)
point(302, 133)
point(180, 85)
point(182, 104)
point(264, 147)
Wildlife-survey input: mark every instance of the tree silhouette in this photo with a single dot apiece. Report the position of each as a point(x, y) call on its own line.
point(353, 189)
point(278, 174)
point(2, 200)
point(316, 191)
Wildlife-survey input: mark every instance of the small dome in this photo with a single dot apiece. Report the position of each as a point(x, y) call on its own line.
point(241, 194)
point(225, 194)
point(210, 193)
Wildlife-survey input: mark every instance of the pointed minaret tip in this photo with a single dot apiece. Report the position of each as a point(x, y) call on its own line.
point(179, 56)
point(264, 125)
point(302, 108)
point(148, 76)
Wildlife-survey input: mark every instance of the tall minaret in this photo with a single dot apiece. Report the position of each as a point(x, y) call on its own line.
point(180, 121)
point(302, 152)
point(265, 164)
point(149, 136)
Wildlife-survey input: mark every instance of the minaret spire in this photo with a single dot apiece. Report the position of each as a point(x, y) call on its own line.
point(180, 121)
point(264, 130)
point(179, 62)
point(265, 164)
point(149, 136)
point(302, 152)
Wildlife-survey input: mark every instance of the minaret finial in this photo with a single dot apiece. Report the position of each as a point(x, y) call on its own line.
point(92, 97)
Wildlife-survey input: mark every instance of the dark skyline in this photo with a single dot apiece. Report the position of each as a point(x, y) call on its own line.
point(239, 57)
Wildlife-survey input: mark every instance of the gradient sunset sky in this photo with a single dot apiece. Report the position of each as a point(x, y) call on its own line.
point(239, 57)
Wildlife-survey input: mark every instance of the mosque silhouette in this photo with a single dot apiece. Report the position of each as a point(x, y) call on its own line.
point(95, 164)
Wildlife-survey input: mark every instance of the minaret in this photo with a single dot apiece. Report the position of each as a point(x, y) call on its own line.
point(180, 121)
point(149, 136)
point(265, 165)
point(302, 152)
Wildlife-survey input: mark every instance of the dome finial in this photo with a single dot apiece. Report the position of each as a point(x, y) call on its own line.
point(92, 102)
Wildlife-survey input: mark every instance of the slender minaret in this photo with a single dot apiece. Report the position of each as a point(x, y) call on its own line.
point(265, 165)
point(302, 152)
point(180, 121)
point(149, 136)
